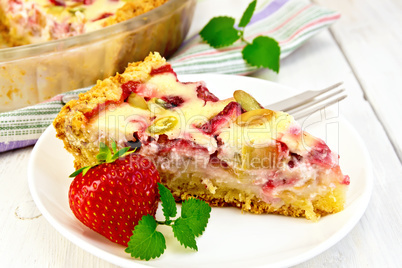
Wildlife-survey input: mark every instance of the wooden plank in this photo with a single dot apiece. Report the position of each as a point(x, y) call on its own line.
point(27, 238)
point(369, 34)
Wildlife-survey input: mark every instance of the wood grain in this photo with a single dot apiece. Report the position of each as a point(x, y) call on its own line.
point(370, 36)
point(26, 238)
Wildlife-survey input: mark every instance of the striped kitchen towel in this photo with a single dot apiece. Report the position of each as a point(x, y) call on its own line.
point(290, 22)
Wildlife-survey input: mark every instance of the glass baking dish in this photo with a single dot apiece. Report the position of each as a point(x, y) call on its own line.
point(33, 73)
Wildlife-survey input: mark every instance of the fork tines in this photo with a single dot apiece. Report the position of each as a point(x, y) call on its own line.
point(308, 102)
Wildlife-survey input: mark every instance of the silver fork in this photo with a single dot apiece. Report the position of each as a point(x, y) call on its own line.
point(310, 101)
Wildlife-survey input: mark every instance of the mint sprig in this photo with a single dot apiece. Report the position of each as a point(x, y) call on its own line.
point(248, 14)
point(168, 203)
point(220, 32)
point(262, 51)
point(147, 243)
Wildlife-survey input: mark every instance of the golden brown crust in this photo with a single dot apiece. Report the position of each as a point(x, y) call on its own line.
point(70, 122)
point(331, 203)
point(190, 185)
point(132, 9)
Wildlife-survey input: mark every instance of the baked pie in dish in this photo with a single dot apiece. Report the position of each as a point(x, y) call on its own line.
point(25, 22)
point(229, 152)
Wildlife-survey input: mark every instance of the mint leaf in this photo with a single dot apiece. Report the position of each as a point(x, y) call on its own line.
point(263, 52)
point(220, 32)
point(184, 234)
point(245, 19)
point(168, 203)
point(146, 243)
point(196, 214)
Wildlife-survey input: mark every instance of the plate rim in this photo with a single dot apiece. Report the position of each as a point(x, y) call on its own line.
point(112, 258)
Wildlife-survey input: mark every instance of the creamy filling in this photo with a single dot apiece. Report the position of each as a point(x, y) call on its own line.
point(302, 180)
point(274, 162)
point(121, 121)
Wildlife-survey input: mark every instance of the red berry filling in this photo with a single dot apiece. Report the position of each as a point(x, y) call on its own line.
point(128, 88)
point(103, 16)
point(282, 150)
point(221, 120)
point(346, 180)
point(273, 183)
point(163, 69)
point(180, 146)
point(85, 2)
point(172, 101)
point(204, 94)
point(58, 3)
point(294, 160)
point(216, 162)
point(98, 108)
point(321, 155)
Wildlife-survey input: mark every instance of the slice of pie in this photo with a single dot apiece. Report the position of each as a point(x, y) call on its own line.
point(227, 152)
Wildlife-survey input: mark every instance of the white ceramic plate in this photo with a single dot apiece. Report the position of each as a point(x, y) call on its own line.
point(232, 239)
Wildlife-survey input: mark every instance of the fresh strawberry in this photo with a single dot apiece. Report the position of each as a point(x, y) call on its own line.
point(221, 120)
point(111, 197)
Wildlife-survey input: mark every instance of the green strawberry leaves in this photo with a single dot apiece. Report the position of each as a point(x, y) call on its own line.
point(104, 156)
point(82, 170)
point(146, 243)
point(263, 51)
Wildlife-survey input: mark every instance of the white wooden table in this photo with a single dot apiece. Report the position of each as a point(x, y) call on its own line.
point(363, 49)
